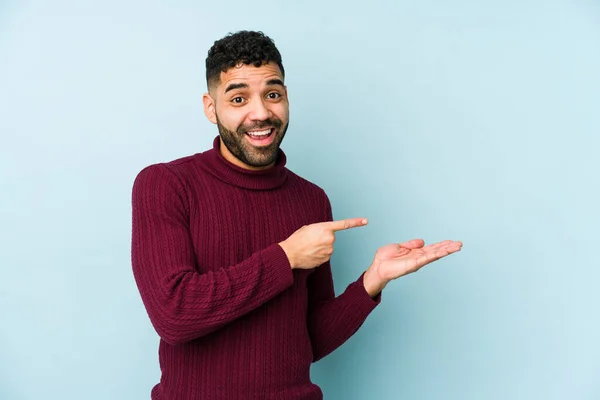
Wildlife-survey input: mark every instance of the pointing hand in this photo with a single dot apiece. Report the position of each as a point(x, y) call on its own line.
point(312, 245)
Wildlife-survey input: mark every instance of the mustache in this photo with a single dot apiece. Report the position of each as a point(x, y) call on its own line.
point(267, 123)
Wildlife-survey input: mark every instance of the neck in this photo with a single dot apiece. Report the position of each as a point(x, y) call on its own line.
point(236, 174)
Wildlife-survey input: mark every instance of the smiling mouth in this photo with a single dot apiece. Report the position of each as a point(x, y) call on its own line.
point(262, 137)
point(262, 134)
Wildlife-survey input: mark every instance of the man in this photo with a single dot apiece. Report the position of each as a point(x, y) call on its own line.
point(230, 250)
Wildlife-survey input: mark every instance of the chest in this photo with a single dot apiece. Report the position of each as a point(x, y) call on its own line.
point(234, 224)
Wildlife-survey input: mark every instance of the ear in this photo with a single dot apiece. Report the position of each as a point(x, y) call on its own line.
point(209, 108)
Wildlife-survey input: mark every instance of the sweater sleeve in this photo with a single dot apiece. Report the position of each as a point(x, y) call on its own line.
point(182, 303)
point(333, 320)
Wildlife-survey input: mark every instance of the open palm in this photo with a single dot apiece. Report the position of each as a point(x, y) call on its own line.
point(395, 260)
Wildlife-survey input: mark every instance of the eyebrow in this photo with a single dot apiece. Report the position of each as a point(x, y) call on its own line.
point(234, 86)
point(270, 82)
point(273, 82)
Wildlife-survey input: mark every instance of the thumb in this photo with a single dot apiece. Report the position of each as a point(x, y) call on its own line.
point(413, 244)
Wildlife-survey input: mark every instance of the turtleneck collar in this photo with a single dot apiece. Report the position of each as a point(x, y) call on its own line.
point(228, 172)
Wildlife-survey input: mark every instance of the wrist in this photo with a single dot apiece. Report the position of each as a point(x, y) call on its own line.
point(372, 282)
point(287, 252)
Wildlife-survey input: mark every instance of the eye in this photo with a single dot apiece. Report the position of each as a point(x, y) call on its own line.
point(237, 100)
point(273, 95)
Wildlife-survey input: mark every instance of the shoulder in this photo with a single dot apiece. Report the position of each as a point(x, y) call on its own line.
point(305, 184)
point(164, 177)
point(317, 194)
point(174, 169)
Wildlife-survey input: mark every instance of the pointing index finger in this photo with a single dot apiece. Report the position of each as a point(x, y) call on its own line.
point(344, 224)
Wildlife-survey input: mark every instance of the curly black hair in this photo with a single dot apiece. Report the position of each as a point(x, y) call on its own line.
point(247, 47)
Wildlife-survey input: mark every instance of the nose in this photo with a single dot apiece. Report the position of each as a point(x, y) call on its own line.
point(259, 111)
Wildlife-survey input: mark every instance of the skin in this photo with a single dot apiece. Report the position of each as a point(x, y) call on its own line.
point(250, 98)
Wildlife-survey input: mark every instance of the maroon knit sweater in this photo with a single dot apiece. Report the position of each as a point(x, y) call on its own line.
point(234, 320)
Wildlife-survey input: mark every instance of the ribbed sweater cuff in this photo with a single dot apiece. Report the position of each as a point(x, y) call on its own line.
point(363, 302)
point(275, 258)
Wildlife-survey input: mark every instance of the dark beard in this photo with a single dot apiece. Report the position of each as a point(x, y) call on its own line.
point(245, 152)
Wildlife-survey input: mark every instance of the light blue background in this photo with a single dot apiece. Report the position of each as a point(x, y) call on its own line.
point(475, 121)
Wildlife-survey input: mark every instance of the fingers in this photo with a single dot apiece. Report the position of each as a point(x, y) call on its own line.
point(435, 251)
point(346, 224)
point(442, 249)
point(445, 244)
point(438, 244)
point(452, 247)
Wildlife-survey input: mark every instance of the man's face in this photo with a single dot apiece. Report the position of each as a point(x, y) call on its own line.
point(250, 107)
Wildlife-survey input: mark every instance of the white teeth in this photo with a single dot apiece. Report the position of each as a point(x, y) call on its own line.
point(260, 133)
